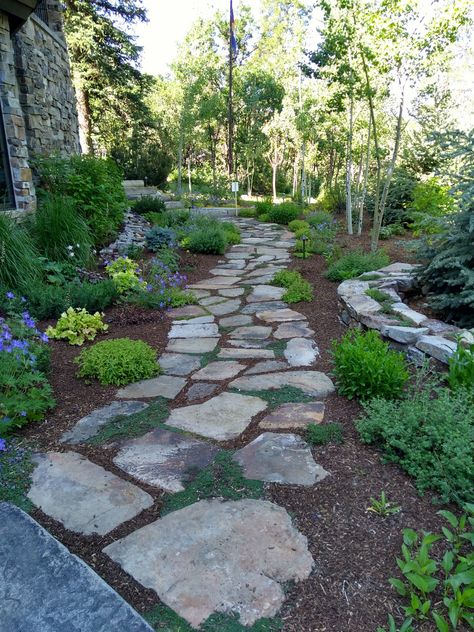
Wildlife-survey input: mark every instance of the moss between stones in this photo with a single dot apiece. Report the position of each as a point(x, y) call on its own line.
point(285, 395)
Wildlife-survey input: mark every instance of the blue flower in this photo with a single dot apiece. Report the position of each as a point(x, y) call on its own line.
point(3, 445)
point(23, 413)
point(10, 295)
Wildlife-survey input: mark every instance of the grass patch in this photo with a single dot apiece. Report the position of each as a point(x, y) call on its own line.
point(125, 426)
point(278, 347)
point(222, 479)
point(369, 277)
point(356, 263)
point(209, 356)
point(15, 473)
point(163, 619)
point(321, 434)
point(279, 396)
point(381, 297)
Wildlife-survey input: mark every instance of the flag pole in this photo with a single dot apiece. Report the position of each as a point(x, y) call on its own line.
point(230, 147)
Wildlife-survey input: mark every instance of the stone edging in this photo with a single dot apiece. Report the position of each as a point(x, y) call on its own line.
point(425, 338)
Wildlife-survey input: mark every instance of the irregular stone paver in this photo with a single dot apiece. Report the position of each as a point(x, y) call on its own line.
point(293, 416)
point(219, 371)
point(256, 332)
point(310, 382)
point(44, 588)
point(201, 390)
point(280, 458)
point(188, 345)
point(167, 386)
point(226, 307)
point(248, 343)
point(253, 308)
point(232, 292)
point(200, 293)
point(199, 330)
point(211, 300)
point(437, 347)
point(225, 272)
point(301, 352)
point(266, 366)
point(264, 293)
point(222, 417)
point(90, 425)
point(188, 311)
point(209, 318)
point(235, 321)
point(215, 282)
point(82, 495)
point(239, 552)
point(242, 354)
point(298, 329)
point(165, 459)
point(179, 363)
point(280, 315)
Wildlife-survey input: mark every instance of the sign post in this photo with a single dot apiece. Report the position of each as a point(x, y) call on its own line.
point(235, 190)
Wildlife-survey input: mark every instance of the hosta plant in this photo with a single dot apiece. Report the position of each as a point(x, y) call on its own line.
point(77, 325)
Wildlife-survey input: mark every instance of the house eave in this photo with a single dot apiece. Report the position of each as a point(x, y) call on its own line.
point(18, 11)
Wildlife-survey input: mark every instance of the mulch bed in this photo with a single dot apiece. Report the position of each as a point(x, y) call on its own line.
point(354, 550)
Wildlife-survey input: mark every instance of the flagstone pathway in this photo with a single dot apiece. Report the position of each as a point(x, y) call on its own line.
point(212, 556)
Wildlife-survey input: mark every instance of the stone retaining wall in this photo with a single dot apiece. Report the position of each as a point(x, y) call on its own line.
point(406, 329)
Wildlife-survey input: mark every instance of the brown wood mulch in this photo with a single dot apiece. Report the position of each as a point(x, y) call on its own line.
point(354, 550)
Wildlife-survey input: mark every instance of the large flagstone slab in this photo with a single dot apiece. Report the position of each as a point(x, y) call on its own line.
point(295, 329)
point(266, 366)
point(280, 315)
point(256, 332)
point(45, 588)
point(214, 283)
point(210, 300)
point(83, 496)
point(279, 458)
point(225, 272)
point(194, 330)
point(263, 293)
point(223, 417)
point(167, 386)
point(179, 363)
point(249, 353)
point(217, 371)
point(90, 425)
point(235, 321)
point(226, 307)
point(187, 311)
point(293, 416)
point(232, 292)
point(216, 556)
point(190, 345)
point(301, 352)
point(253, 308)
point(165, 459)
point(201, 390)
point(310, 382)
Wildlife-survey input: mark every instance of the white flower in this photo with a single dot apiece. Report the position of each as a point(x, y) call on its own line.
point(78, 245)
point(70, 247)
point(71, 254)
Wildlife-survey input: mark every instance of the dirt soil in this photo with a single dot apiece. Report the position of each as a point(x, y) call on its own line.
point(354, 550)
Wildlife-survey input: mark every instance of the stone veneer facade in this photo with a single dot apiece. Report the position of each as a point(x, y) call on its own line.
point(37, 98)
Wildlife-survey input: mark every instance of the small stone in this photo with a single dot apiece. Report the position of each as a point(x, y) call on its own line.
point(232, 292)
point(248, 344)
point(280, 458)
point(219, 371)
point(280, 315)
point(200, 293)
point(301, 352)
point(242, 354)
point(253, 308)
point(293, 330)
point(239, 552)
point(226, 307)
point(254, 333)
point(83, 496)
point(90, 425)
point(211, 300)
point(45, 588)
point(199, 320)
point(200, 330)
point(266, 366)
point(201, 390)
point(437, 347)
point(166, 386)
point(310, 382)
point(405, 335)
point(294, 416)
point(188, 345)
point(265, 293)
point(179, 363)
point(164, 459)
point(188, 311)
point(225, 272)
point(235, 321)
point(223, 417)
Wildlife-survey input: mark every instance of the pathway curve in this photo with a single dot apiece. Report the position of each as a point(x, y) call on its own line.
point(212, 556)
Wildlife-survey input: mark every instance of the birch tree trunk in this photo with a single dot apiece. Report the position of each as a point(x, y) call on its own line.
point(364, 188)
point(349, 170)
point(84, 117)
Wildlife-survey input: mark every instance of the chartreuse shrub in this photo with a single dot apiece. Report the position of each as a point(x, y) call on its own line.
point(365, 366)
point(77, 325)
point(461, 367)
point(355, 263)
point(437, 576)
point(125, 274)
point(431, 202)
point(298, 289)
point(149, 204)
point(19, 262)
point(60, 232)
point(430, 434)
point(247, 212)
point(284, 213)
point(95, 186)
point(121, 361)
point(298, 224)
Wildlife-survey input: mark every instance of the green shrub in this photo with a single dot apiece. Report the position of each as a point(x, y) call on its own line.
point(263, 208)
point(60, 233)
point(157, 238)
point(121, 361)
point(264, 217)
point(125, 274)
point(392, 229)
point(461, 367)
point(431, 438)
point(232, 233)
point(320, 434)
point(355, 263)
point(76, 326)
point(284, 213)
point(19, 262)
point(298, 224)
point(95, 185)
point(303, 232)
point(431, 203)
point(210, 240)
point(298, 289)
point(320, 219)
point(365, 366)
point(149, 204)
point(247, 212)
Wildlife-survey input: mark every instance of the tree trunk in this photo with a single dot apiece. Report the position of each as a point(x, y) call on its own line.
point(349, 170)
point(84, 117)
point(295, 177)
point(190, 189)
point(303, 172)
point(179, 186)
point(274, 180)
point(364, 188)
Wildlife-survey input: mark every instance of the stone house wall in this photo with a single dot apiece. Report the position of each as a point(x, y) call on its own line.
point(37, 98)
